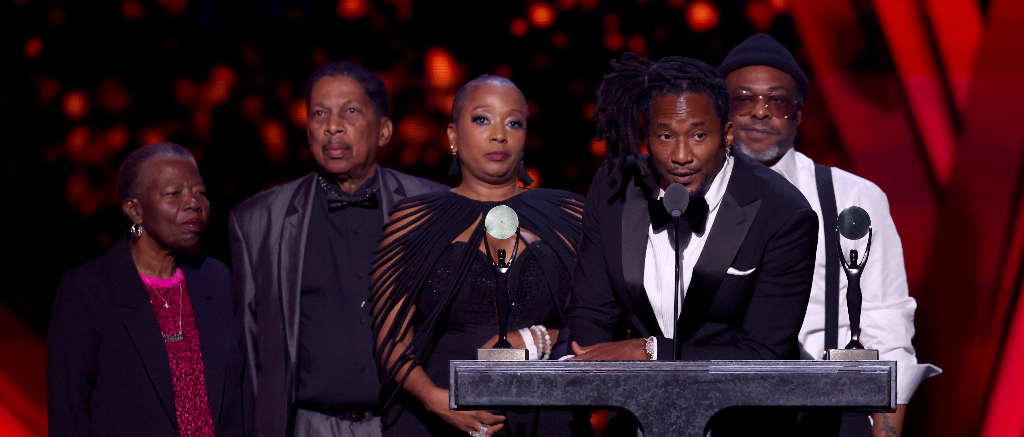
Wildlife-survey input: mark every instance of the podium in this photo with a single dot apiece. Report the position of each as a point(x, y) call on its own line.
point(673, 398)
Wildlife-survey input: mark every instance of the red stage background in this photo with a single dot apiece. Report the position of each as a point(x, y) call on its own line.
point(922, 97)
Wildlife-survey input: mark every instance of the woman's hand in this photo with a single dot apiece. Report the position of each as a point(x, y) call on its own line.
point(468, 421)
point(516, 339)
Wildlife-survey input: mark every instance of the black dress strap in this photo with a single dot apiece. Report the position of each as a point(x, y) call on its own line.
point(829, 219)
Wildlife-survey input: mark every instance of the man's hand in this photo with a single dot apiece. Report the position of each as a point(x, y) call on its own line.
point(625, 350)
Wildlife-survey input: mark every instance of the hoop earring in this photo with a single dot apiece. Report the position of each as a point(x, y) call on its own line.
point(524, 176)
point(135, 230)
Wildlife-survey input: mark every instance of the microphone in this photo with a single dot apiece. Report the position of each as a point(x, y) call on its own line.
point(676, 200)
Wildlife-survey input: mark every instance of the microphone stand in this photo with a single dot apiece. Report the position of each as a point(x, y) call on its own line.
point(677, 343)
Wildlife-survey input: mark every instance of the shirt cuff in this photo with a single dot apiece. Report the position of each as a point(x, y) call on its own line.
point(909, 377)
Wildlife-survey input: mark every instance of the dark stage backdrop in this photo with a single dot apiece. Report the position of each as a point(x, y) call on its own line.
point(919, 96)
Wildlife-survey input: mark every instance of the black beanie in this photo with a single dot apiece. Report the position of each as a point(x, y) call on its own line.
point(762, 49)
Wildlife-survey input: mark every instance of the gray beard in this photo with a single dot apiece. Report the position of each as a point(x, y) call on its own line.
point(768, 155)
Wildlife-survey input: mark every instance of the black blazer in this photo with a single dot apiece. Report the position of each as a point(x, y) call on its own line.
point(107, 370)
point(763, 223)
point(268, 235)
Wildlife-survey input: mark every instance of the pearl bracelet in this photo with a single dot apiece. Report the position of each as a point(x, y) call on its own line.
point(530, 345)
point(543, 340)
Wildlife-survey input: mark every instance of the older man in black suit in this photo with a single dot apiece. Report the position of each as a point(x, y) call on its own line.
point(746, 247)
point(301, 254)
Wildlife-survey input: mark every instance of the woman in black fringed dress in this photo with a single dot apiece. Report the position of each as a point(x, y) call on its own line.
point(433, 283)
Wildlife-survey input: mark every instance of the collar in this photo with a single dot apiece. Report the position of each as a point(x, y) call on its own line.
point(370, 185)
point(787, 165)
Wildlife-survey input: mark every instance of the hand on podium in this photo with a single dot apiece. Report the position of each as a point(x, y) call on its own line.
point(625, 350)
point(468, 421)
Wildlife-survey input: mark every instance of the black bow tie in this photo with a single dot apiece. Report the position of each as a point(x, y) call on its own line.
point(696, 214)
point(337, 201)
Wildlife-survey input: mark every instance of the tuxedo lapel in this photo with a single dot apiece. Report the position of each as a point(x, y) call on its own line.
point(212, 340)
point(291, 252)
point(636, 219)
point(724, 241)
point(136, 313)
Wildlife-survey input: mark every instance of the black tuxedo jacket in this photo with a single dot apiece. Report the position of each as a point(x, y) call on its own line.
point(765, 231)
point(268, 235)
point(107, 371)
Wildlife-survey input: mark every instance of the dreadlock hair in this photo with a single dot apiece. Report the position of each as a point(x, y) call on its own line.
point(626, 93)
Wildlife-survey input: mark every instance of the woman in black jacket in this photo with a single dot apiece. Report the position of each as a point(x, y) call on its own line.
point(146, 340)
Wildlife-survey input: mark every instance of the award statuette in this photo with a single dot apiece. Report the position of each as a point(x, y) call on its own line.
point(502, 223)
point(854, 223)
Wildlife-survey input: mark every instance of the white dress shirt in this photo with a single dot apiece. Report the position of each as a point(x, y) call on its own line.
point(659, 264)
point(887, 312)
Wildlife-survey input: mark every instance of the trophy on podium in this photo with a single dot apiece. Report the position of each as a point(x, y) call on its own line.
point(853, 224)
point(502, 223)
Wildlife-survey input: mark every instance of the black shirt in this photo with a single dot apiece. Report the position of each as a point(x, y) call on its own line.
point(337, 372)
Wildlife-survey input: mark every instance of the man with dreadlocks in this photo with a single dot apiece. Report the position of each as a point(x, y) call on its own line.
point(746, 248)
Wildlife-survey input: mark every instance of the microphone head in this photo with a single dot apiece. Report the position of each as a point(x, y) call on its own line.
point(676, 199)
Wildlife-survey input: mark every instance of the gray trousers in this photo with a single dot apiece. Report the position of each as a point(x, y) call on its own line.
point(313, 424)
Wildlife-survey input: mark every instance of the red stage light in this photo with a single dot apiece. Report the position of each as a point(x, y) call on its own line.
point(559, 40)
point(297, 114)
point(151, 135)
point(222, 80)
point(352, 9)
point(440, 68)
point(612, 22)
point(565, 5)
point(76, 143)
point(597, 147)
point(33, 47)
point(519, 27)
point(779, 5)
point(534, 174)
point(320, 56)
point(542, 15)
point(117, 138)
point(113, 96)
point(701, 16)
point(132, 10)
point(638, 45)
point(677, 4)
point(613, 41)
point(760, 15)
point(76, 105)
point(275, 141)
point(174, 7)
point(251, 108)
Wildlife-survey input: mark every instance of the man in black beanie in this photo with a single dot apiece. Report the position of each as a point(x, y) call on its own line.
point(767, 89)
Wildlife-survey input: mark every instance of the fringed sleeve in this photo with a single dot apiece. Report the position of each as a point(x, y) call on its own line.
point(419, 230)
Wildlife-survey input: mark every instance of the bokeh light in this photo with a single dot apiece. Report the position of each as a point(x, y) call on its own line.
point(597, 147)
point(297, 115)
point(759, 14)
point(518, 27)
point(779, 5)
point(33, 47)
point(275, 140)
point(613, 41)
point(559, 39)
point(222, 80)
point(132, 10)
point(352, 9)
point(701, 16)
point(76, 105)
point(638, 45)
point(541, 14)
point(174, 8)
point(442, 72)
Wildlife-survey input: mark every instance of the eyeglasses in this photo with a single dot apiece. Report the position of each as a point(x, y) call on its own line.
point(745, 102)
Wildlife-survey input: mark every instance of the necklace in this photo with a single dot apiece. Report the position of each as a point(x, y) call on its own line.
point(171, 338)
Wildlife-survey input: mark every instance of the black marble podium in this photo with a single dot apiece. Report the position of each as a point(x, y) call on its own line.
point(674, 398)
